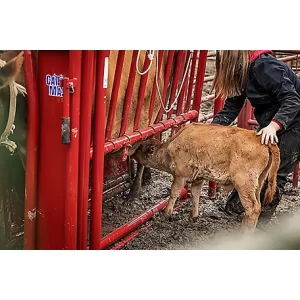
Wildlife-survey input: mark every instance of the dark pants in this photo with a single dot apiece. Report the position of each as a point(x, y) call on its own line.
point(289, 144)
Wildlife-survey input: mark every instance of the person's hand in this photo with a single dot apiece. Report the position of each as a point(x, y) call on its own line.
point(269, 133)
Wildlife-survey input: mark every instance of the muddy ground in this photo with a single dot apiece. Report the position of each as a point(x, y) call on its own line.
point(181, 232)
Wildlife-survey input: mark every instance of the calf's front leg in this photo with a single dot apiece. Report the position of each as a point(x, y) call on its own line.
point(176, 187)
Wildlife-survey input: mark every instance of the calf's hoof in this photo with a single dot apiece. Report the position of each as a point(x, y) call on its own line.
point(168, 213)
point(146, 179)
point(193, 218)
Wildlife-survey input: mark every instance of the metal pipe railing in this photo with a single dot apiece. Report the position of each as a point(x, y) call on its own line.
point(71, 190)
point(98, 145)
point(87, 93)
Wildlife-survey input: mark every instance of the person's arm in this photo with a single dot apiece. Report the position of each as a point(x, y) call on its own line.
point(273, 77)
point(230, 111)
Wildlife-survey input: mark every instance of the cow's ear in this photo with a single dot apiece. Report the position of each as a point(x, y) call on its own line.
point(9, 71)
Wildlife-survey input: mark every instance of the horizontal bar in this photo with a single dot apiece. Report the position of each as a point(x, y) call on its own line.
point(139, 135)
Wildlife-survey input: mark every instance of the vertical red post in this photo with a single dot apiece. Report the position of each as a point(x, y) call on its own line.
point(98, 149)
point(184, 87)
point(71, 203)
point(191, 82)
point(142, 89)
point(212, 186)
point(245, 115)
point(199, 80)
point(129, 92)
point(154, 89)
point(87, 97)
point(114, 95)
point(176, 80)
point(32, 151)
point(168, 70)
point(296, 176)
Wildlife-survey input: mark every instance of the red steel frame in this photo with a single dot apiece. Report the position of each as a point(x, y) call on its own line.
point(81, 67)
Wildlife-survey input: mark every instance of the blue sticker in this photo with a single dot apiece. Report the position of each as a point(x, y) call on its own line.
point(53, 82)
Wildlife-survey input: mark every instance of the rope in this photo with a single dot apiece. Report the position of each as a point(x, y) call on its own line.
point(176, 97)
point(151, 56)
point(14, 89)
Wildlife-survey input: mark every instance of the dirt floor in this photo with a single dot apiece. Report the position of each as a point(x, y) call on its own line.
point(180, 232)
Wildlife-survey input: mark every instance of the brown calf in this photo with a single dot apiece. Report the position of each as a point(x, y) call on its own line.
point(231, 156)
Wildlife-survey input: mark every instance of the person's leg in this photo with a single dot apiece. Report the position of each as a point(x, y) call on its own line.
point(289, 144)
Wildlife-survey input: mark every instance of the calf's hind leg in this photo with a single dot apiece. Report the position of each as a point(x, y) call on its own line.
point(252, 206)
point(176, 187)
point(196, 192)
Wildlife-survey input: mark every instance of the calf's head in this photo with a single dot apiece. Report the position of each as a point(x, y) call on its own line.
point(145, 153)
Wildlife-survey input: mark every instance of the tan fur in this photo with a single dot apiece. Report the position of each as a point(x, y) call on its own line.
point(227, 155)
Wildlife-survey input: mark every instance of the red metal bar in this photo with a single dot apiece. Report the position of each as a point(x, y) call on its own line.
point(98, 145)
point(154, 89)
point(129, 92)
point(184, 88)
point(87, 93)
point(288, 51)
point(176, 81)
point(114, 95)
point(71, 194)
point(131, 236)
point(142, 89)
point(199, 80)
point(245, 115)
point(191, 82)
point(116, 144)
point(212, 186)
point(168, 70)
point(134, 223)
point(296, 176)
point(32, 151)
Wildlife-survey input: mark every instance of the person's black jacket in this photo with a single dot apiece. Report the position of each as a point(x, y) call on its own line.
point(273, 89)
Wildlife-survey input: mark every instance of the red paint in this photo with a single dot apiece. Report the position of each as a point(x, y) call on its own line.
point(30, 204)
point(52, 155)
point(114, 94)
point(87, 93)
point(141, 95)
point(71, 187)
point(129, 92)
point(98, 157)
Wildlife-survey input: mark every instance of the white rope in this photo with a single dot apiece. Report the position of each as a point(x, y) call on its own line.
point(150, 56)
point(176, 97)
point(14, 89)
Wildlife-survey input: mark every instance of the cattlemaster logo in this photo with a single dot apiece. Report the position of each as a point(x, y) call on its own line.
point(53, 82)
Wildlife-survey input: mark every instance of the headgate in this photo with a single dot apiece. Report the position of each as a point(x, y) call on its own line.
point(86, 111)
